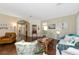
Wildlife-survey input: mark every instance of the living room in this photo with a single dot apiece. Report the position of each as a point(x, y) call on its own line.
point(29, 23)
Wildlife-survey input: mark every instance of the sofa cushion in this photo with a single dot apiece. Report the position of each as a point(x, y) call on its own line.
point(10, 34)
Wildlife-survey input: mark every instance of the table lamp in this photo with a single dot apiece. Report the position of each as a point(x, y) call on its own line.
point(58, 33)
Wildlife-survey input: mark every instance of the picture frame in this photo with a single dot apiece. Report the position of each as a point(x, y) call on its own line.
point(3, 26)
point(52, 26)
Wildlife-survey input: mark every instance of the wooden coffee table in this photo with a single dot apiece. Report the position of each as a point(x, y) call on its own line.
point(45, 42)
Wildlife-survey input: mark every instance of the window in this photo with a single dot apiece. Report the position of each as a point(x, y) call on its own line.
point(44, 26)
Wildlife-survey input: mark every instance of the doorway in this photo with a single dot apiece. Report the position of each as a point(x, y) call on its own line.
point(23, 29)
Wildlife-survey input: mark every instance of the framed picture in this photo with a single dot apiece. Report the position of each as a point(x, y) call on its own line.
point(3, 26)
point(52, 26)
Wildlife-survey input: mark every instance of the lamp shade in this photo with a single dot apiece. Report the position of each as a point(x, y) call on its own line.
point(57, 32)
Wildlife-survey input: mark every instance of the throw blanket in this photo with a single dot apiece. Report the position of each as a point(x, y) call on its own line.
point(65, 47)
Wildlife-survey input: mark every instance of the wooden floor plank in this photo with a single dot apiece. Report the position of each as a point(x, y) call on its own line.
point(10, 49)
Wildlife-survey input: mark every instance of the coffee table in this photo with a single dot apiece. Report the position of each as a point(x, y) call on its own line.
point(45, 42)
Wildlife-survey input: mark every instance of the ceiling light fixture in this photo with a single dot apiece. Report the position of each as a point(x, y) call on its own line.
point(30, 16)
point(58, 4)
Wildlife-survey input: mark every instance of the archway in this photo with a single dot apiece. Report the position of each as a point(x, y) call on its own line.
point(23, 29)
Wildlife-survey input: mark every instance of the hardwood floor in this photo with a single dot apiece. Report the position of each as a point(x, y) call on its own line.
point(7, 49)
point(10, 49)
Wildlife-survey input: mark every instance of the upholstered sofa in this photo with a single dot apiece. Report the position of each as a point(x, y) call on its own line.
point(9, 37)
point(68, 45)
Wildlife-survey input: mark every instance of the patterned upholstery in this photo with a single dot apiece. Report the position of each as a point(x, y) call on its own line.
point(26, 48)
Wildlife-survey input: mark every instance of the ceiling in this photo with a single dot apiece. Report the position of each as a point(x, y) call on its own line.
point(39, 11)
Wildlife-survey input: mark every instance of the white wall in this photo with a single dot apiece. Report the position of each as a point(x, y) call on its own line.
point(35, 22)
point(71, 25)
point(9, 20)
point(77, 23)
